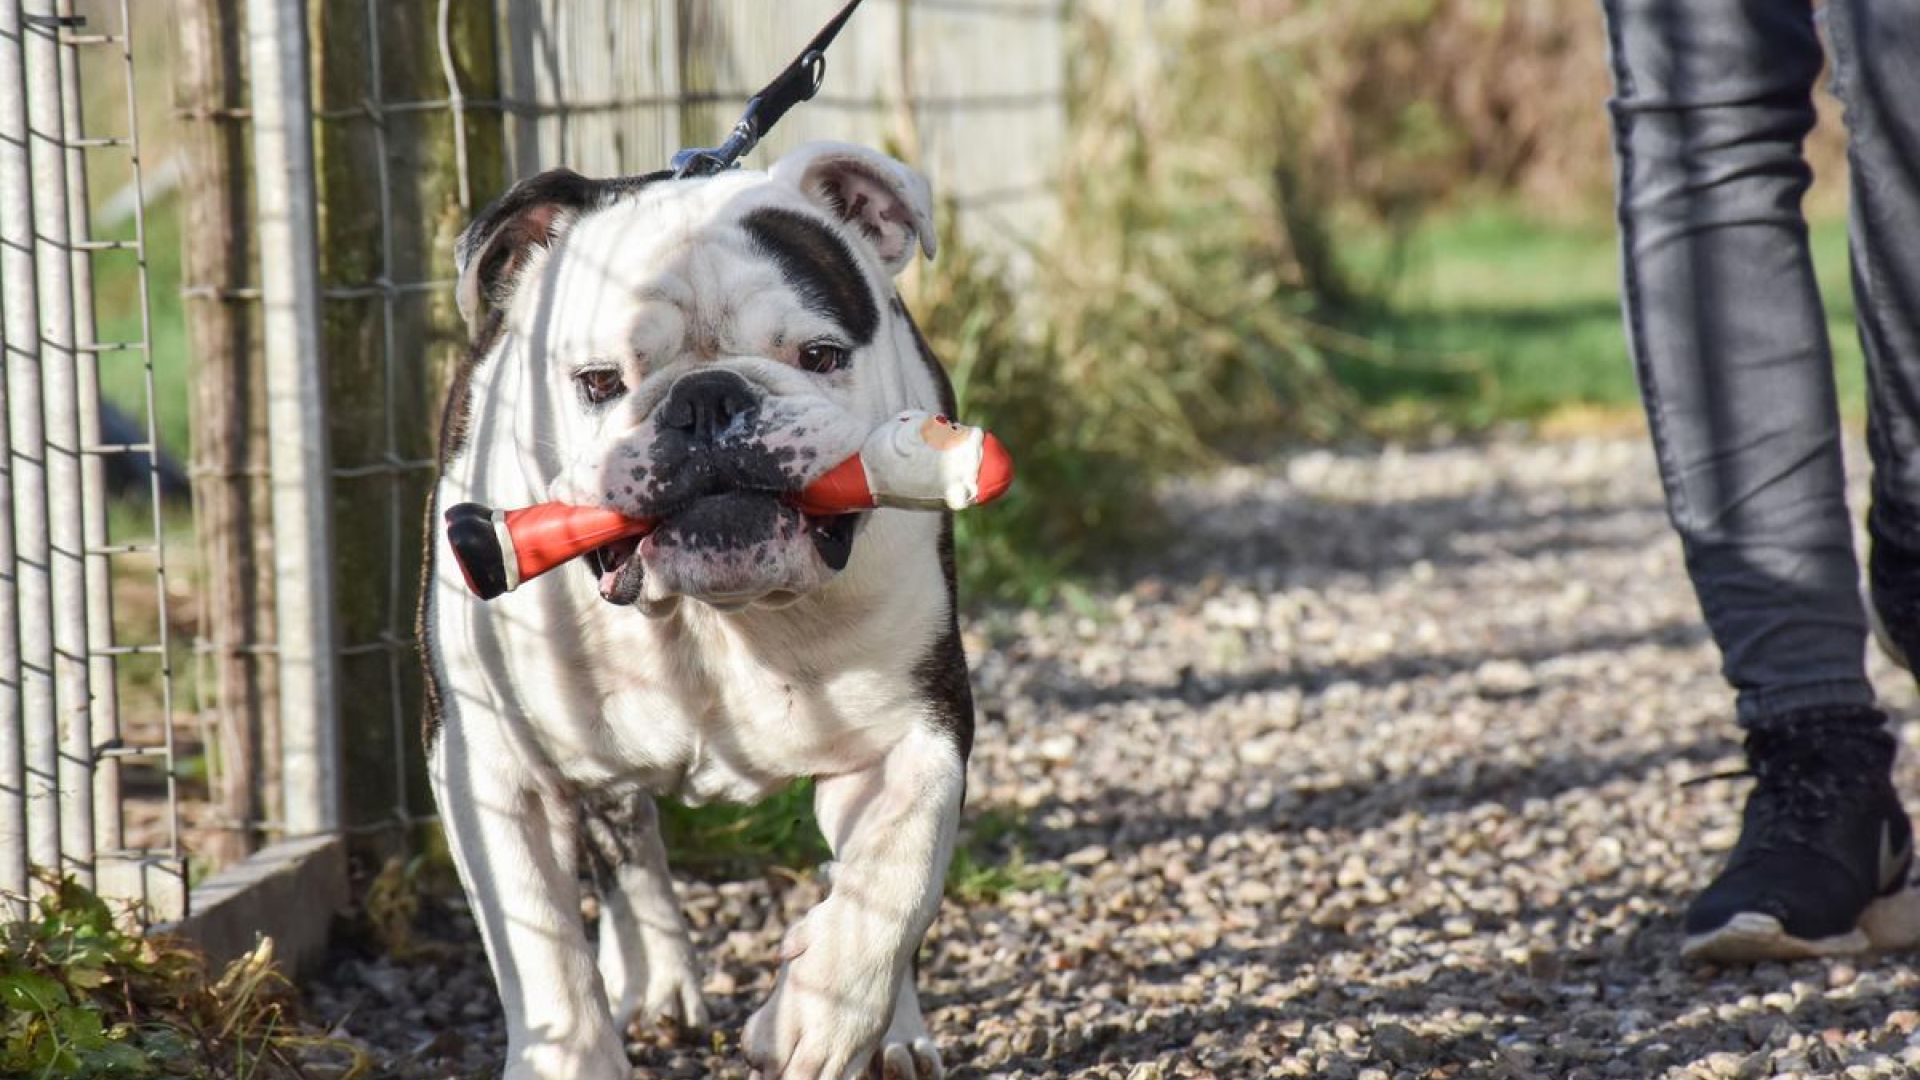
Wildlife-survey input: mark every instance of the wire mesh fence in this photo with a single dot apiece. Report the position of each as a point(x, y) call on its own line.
point(327, 154)
point(70, 655)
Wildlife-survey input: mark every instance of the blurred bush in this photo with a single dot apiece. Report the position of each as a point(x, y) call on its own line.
point(1396, 106)
point(1185, 305)
point(1221, 152)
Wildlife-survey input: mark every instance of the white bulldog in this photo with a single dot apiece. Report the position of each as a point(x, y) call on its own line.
point(693, 350)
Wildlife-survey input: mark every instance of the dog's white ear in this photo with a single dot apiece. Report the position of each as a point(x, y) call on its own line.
point(887, 203)
point(494, 248)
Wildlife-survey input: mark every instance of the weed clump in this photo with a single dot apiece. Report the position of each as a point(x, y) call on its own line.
point(82, 998)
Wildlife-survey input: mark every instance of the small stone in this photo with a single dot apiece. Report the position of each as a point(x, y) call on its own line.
point(1091, 855)
point(1400, 1044)
point(1498, 679)
point(1059, 748)
point(1723, 1064)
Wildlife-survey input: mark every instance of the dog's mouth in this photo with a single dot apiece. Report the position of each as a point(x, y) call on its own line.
point(728, 525)
point(620, 574)
point(832, 537)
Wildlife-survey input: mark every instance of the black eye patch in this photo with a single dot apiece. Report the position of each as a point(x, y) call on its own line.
point(818, 265)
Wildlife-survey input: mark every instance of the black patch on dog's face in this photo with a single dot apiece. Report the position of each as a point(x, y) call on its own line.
point(820, 267)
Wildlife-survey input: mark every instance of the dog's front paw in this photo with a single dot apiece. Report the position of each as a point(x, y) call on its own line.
point(599, 1059)
point(908, 1051)
point(830, 1005)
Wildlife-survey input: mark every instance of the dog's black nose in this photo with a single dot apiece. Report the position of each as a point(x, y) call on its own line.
point(707, 405)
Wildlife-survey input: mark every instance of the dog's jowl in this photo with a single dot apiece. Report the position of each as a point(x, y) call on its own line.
point(693, 350)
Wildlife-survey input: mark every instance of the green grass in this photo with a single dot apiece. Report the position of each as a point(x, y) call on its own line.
point(726, 841)
point(990, 860)
point(734, 842)
point(1496, 317)
point(117, 318)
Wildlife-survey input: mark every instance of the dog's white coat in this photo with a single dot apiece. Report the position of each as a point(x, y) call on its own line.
point(550, 694)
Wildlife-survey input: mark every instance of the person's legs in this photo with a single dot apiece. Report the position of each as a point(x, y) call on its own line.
point(1713, 99)
point(1875, 43)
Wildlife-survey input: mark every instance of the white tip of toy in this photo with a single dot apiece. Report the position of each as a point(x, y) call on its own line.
point(924, 461)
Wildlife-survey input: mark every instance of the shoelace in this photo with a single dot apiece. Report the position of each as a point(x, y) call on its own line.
point(1796, 784)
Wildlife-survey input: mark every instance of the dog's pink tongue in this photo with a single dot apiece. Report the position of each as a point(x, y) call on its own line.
point(618, 583)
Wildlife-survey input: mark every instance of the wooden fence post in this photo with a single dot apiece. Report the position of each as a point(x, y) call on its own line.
point(391, 179)
point(231, 498)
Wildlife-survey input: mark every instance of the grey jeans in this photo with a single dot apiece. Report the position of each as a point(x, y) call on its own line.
point(1712, 101)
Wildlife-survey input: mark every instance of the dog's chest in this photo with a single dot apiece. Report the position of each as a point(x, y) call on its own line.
point(695, 713)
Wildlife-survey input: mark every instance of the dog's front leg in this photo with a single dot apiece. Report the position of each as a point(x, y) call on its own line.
point(516, 850)
point(891, 826)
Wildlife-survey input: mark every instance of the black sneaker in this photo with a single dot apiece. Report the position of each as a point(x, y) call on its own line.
point(1893, 589)
point(1821, 866)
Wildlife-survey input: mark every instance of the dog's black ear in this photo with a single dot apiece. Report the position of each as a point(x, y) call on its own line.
point(494, 248)
point(888, 204)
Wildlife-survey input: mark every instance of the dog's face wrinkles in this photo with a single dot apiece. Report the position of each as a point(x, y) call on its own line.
point(702, 348)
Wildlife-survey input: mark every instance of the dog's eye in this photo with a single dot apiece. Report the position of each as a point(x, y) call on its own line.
point(821, 357)
point(600, 385)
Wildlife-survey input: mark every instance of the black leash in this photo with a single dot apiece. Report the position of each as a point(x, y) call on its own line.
point(799, 82)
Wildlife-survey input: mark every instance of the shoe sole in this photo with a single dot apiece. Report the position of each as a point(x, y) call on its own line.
point(1889, 923)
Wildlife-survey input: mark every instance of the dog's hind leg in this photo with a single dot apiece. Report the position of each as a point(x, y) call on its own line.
point(840, 996)
point(646, 957)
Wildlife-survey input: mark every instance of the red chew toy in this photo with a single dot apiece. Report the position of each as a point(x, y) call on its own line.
point(916, 461)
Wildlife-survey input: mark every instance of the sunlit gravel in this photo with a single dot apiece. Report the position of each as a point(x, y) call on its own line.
point(1375, 772)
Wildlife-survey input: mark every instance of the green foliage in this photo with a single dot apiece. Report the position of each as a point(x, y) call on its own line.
point(990, 860)
point(724, 841)
point(83, 999)
point(118, 316)
point(1174, 313)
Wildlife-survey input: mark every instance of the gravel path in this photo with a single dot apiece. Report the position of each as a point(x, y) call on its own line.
point(1377, 774)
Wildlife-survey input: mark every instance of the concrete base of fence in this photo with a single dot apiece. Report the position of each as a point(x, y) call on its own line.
point(287, 891)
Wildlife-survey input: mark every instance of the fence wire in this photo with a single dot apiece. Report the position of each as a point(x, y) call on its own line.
point(417, 119)
point(64, 750)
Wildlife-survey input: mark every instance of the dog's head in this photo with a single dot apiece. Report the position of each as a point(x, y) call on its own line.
point(695, 349)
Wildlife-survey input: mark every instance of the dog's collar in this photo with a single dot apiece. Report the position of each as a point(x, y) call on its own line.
point(799, 82)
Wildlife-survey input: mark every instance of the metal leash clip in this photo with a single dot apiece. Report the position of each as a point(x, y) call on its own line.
point(799, 82)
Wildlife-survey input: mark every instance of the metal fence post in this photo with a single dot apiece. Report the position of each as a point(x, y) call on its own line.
point(299, 461)
point(53, 260)
point(105, 709)
point(27, 449)
point(13, 749)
